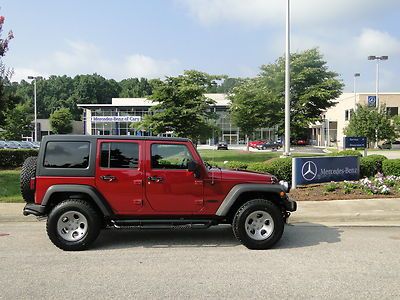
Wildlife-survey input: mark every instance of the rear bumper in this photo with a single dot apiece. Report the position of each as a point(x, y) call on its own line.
point(34, 209)
point(290, 204)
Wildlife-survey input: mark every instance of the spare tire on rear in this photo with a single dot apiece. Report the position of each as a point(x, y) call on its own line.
point(28, 171)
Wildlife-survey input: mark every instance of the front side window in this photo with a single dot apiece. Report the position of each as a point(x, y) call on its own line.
point(67, 155)
point(170, 156)
point(119, 155)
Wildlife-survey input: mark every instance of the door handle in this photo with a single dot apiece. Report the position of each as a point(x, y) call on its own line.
point(108, 178)
point(155, 178)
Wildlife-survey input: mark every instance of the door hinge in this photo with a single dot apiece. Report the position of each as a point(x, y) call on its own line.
point(199, 202)
point(138, 182)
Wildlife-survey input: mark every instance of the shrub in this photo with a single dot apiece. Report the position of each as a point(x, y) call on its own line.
point(281, 168)
point(371, 165)
point(391, 167)
point(331, 186)
point(259, 167)
point(14, 158)
point(347, 153)
point(236, 165)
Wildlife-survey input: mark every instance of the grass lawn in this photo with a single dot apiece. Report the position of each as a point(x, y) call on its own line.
point(218, 156)
point(9, 179)
point(9, 186)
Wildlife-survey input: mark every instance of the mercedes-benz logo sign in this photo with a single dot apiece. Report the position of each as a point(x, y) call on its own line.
point(309, 170)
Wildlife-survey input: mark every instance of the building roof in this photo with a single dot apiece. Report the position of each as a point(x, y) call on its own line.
point(220, 99)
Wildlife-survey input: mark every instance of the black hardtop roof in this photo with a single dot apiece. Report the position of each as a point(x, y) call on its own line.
point(81, 137)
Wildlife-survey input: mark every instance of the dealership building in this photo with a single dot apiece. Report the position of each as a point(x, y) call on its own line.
point(329, 132)
point(119, 118)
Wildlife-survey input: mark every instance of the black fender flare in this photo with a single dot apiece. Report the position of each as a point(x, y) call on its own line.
point(239, 189)
point(98, 199)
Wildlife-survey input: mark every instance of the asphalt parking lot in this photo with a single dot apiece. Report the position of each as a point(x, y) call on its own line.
point(310, 261)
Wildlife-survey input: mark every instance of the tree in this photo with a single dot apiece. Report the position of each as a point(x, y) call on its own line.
point(5, 73)
point(247, 110)
point(135, 88)
point(182, 107)
point(313, 89)
point(18, 122)
point(371, 123)
point(61, 121)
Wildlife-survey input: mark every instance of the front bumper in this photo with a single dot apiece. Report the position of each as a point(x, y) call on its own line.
point(34, 209)
point(289, 204)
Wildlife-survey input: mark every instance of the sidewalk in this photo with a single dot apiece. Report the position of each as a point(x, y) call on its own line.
point(365, 212)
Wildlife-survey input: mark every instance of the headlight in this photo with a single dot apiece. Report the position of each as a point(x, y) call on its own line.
point(285, 185)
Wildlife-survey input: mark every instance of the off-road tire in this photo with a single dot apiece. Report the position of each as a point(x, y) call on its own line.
point(92, 225)
point(28, 171)
point(250, 207)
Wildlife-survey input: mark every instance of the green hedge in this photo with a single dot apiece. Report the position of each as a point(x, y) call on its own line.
point(14, 158)
point(236, 165)
point(391, 167)
point(281, 168)
point(371, 165)
point(347, 153)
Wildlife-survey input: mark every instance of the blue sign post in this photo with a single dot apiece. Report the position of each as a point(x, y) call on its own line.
point(309, 170)
point(371, 101)
point(355, 142)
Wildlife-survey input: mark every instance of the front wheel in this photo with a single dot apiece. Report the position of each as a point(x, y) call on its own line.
point(258, 224)
point(73, 225)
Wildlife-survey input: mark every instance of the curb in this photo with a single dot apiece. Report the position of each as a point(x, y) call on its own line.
point(360, 212)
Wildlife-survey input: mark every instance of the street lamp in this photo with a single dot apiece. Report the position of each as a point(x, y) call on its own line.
point(34, 78)
point(355, 93)
point(377, 58)
point(287, 82)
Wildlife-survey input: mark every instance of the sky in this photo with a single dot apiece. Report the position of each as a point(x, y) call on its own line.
point(156, 38)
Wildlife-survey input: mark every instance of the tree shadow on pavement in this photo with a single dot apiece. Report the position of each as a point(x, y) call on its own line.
point(297, 236)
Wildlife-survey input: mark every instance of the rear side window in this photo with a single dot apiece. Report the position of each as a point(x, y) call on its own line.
point(119, 155)
point(73, 155)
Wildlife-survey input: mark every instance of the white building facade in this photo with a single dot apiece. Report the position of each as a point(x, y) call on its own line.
point(330, 131)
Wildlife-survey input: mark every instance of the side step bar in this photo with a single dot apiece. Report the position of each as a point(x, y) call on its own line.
point(163, 224)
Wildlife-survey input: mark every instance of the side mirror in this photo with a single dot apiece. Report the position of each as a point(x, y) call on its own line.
point(194, 167)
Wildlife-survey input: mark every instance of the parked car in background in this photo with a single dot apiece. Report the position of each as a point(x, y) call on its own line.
point(35, 145)
point(222, 146)
point(253, 144)
point(269, 145)
point(26, 145)
point(3, 145)
point(390, 145)
point(300, 142)
point(13, 145)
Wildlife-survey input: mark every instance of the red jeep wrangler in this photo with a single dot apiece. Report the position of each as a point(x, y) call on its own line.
point(86, 183)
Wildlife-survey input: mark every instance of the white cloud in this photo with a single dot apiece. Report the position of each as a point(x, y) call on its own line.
point(86, 58)
point(23, 73)
point(138, 65)
point(375, 42)
point(257, 12)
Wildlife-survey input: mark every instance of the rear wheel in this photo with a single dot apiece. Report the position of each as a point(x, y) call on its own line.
point(258, 224)
point(73, 225)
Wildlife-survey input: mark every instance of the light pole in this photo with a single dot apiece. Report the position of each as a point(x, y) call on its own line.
point(355, 92)
point(287, 82)
point(377, 58)
point(34, 78)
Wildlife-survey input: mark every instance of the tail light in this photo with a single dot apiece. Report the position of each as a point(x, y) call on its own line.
point(32, 183)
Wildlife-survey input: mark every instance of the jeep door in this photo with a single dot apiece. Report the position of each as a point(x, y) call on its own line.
point(170, 187)
point(119, 174)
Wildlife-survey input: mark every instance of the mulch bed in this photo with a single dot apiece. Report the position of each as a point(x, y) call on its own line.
point(318, 192)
